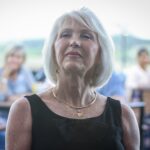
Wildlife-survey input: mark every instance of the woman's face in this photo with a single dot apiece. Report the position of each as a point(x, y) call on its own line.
point(144, 58)
point(15, 60)
point(76, 47)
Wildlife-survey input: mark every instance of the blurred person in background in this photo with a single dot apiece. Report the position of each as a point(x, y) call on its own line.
point(115, 87)
point(15, 80)
point(138, 79)
point(40, 75)
point(139, 76)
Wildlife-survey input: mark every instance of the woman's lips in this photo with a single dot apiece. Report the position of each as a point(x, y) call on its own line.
point(73, 54)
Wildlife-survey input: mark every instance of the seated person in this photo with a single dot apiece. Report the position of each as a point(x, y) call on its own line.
point(15, 79)
point(139, 76)
point(138, 79)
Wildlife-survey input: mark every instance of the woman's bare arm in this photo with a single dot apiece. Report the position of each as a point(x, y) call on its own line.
point(131, 136)
point(18, 129)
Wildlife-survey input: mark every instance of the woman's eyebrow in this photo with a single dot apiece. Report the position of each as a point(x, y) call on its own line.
point(87, 31)
point(66, 29)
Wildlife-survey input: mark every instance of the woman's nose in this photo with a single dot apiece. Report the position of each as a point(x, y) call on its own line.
point(75, 42)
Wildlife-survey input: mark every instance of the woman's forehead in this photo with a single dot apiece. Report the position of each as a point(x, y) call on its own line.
point(16, 53)
point(72, 22)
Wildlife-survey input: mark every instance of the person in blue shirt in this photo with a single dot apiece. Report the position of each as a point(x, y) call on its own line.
point(15, 81)
point(115, 87)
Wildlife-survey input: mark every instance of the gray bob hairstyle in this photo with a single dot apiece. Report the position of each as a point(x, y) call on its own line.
point(85, 16)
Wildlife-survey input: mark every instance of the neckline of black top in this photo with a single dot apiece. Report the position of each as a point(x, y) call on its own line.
point(56, 115)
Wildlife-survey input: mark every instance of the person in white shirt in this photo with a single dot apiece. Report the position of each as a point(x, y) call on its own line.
point(139, 76)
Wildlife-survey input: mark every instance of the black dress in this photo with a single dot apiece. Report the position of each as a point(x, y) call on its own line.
point(51, 131)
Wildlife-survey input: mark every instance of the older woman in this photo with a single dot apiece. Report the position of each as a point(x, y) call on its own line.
point(71, 115)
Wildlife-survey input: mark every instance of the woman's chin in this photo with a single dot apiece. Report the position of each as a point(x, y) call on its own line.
point(74, 67)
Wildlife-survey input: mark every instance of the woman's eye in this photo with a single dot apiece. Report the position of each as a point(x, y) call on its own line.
point(65, 34)
point(86, 36)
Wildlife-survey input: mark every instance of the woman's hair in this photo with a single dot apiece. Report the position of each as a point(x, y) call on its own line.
point(85, 16)
point(14, 48)
point(142, 50)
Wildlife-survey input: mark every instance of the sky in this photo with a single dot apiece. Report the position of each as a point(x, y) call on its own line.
point(25, 19)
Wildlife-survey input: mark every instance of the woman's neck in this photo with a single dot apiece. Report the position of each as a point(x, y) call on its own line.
point(143, 66)
point(14, 74)
point(73, 90)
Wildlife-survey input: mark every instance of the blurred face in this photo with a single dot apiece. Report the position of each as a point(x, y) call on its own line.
point(15, 60)
point(144, 58)
point(76, 47)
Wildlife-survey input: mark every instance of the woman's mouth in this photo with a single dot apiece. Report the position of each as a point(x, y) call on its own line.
point(73, 54)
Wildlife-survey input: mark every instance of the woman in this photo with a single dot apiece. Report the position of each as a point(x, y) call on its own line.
point(71, 115)
point(15, 79)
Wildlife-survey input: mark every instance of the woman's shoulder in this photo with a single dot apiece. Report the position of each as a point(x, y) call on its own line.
point(33, 99)
point(127, 112)
point(128, 115)
point(20, 113)
point(125, 108)
point(109, 100)
point(131, 134)
point(20, 106)
point(19, 124)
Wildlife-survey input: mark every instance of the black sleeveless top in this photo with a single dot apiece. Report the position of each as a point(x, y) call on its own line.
point(51, 131)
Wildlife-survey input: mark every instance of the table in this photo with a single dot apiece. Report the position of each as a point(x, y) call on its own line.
point(5, 105)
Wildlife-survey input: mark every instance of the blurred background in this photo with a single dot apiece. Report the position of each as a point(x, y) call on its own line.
point(28, 23)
